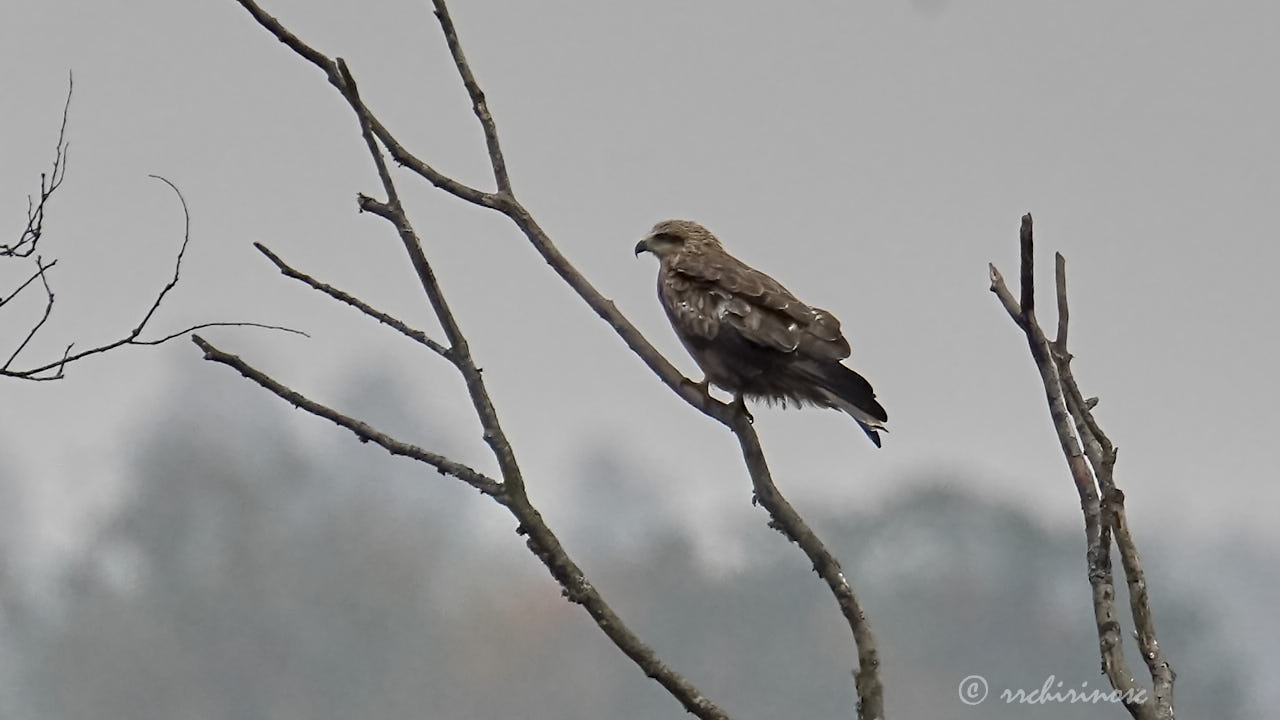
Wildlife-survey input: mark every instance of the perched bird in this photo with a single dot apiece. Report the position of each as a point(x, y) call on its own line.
point(749, 334)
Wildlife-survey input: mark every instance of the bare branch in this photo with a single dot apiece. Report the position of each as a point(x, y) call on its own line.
point(1162, 673)
point(787, 521)
point(1028, 269)
point(54, 370)
point(355, 302)
point(398, 152)
point(362, 430)
point(177, 263)
point(478, 104)
point(44, 317)
point(1100, 501)
point(1102, 456)
point(1064, 314)
point(49, 183)
point(39, 273)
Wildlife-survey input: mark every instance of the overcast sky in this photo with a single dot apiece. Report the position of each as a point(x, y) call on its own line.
point(873, 156)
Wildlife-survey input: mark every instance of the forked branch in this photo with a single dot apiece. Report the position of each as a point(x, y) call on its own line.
point(30, 236)
point(1091, 459)
point(55, 369)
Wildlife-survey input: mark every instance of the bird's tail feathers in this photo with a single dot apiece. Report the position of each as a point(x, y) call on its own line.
point(848, 391)
point(871, 426)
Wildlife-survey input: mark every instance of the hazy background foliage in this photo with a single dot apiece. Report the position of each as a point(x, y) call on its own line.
point(255, 571)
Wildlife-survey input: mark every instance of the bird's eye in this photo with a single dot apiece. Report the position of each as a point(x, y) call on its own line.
point(668, 238)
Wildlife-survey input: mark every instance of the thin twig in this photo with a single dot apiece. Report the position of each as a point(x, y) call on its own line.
point(54, 370)
point(478, 104)
point(177, 263)
point(362, 430)
point(355, 302)
point(402, 156)
point(1027, 281)
point(44, 317)
point(40, 270)
point(49, 183)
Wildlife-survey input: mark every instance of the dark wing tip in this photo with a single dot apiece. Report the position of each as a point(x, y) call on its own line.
point(877, 410)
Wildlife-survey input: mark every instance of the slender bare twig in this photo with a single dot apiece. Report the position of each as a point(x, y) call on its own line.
point(398, 325)
point(41, 268)
point(362, 430)
point(541, 541)
point(54, 370)
point(49, 183)
point(398, 152)
point(44, 317)
point(1091, 459)
point(478, 104)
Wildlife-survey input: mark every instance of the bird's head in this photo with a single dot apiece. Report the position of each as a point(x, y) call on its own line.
point(671, 237)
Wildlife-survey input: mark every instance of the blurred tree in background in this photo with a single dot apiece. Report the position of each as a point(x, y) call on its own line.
point(252, 573)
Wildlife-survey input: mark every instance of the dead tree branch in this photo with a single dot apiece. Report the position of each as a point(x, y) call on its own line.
point(540, 538)
point(1091, 459)
point(30, 236)
point(362, 430)
point(399, 326)
point(54, 370)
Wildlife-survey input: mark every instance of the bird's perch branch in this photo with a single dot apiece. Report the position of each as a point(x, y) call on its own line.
point(1091, 460)
point(540, 538)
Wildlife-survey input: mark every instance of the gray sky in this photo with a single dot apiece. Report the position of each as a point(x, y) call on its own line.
point(872, 156)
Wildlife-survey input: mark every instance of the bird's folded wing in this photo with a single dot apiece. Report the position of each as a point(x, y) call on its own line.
point(723, 290)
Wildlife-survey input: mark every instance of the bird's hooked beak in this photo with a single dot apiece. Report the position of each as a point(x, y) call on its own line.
point(643, 245)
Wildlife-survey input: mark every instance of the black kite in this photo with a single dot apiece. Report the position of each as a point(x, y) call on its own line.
point(749, 334)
